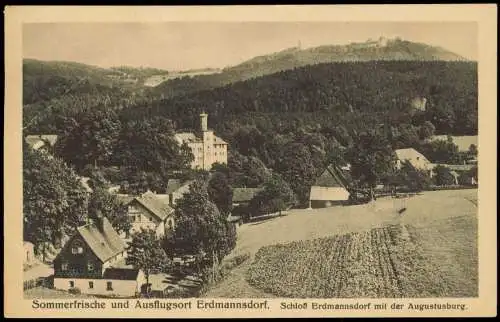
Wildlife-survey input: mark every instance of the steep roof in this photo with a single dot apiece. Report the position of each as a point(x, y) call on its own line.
point(245, 194)
point(191, 137)
point(157, 207)
point(105, 242)
point(187, 137)
point(332, 177)
point(37, 141)
point(409, 154)
point(218, 140)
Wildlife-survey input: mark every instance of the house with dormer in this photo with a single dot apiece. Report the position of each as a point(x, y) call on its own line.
point(149, 211)
point(94, 261)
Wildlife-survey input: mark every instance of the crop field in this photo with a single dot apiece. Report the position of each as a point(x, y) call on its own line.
point(390, 262)
point(442, 226)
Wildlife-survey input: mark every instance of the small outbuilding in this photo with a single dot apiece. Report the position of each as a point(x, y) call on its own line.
point(330, 189)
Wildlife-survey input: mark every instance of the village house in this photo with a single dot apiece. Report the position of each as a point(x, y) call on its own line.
point(149, 211)
point(415, 158)
point(176, 189)
point(42, 142)
point(93, 261)
point(329, 189)
point(207, 148)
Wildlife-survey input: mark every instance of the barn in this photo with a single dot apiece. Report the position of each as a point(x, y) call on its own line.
point(329, 189)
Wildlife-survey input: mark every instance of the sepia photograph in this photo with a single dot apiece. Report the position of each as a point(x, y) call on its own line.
point(250, 160)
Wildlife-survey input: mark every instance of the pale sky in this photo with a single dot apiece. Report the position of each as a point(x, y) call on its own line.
point(188, 45)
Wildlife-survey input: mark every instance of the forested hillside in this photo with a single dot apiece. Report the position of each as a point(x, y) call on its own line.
point(380, 50)
point(292, 123)
point(341, 93)
point(54, 90)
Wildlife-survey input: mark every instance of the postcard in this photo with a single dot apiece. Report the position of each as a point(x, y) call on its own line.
point(250, 161)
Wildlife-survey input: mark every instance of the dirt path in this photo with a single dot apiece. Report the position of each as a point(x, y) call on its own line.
point(302, 224)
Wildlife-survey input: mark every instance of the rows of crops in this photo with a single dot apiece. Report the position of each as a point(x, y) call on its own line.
point(384, 262)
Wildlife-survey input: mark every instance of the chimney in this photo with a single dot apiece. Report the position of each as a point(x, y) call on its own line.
point(99, 221)
point(204, 122)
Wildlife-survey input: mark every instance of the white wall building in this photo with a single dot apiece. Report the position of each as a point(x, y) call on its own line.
point(207, 148)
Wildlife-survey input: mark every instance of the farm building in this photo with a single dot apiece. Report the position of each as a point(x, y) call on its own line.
point(207, 148)
point(93, 261)
point(329, 189)
point(416, 159)
point(149, 211)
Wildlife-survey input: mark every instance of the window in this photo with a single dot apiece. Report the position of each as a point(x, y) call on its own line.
point(91, 284)
point(418, 158)
point(71, 284)
point(77, 248)
point(90, 267)
point(150, 218)
point(109, 286)
point(64, 267)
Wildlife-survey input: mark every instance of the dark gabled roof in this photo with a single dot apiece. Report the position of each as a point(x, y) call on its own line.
point(332, 177)
point(105, 242)
point(156, 206)
point(245, 194)
point(112, 273)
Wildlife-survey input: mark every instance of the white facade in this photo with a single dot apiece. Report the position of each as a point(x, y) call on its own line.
point(140, 217)
point(207, 148)
point(329, 193)
point(108, 287)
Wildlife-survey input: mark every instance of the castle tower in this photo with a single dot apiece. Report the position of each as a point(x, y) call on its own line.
point(208, 142)
point(204, 121)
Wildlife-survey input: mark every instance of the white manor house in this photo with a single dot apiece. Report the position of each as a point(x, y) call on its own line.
point(207, 148)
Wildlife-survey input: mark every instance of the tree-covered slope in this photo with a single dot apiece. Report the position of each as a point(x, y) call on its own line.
point(380, 91)
point(381, 50)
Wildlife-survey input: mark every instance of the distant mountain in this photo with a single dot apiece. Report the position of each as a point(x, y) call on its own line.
point(379, 50)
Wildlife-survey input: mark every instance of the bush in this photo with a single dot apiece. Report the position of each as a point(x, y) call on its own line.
point(75, 291)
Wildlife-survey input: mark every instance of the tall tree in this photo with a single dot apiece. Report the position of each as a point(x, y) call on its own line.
point(145, 252)
point(371, 159)
point(54, 201)
point(297, 167)
point(220, 192)
point(275, 197)
point(109, 205)
point(149, 145)
point(90, 138)
point(200, 228)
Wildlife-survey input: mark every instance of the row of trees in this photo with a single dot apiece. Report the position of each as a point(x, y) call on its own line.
point(55, 203)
